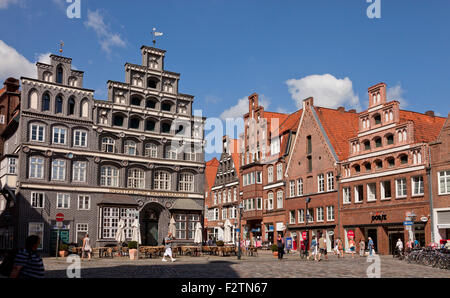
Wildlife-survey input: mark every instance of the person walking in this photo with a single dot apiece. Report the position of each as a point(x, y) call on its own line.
point(399, 247)
point(352, 246)
point(370, 246)
point(340, 247)
point(168, 245)
point(362, 247)
point(313, 248)
point(280, 246)
point(86, 248)
point(322, 248)
point(305, 247)
point(28, 264)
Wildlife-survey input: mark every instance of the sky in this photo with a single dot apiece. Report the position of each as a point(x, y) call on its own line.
point(225, 50)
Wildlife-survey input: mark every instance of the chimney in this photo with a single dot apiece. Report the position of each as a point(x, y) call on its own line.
point(341, 109)
point(309, 102)
point(429, 113)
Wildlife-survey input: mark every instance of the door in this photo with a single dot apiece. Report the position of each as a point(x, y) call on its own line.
point(393, 238)
point(151, 233)
point(330, 240)
point(372, 233)
point(63, 238)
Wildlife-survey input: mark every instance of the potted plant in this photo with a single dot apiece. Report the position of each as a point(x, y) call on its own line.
point(220, 243)
point(132, 250)
point(63, 250)
point(274, 249)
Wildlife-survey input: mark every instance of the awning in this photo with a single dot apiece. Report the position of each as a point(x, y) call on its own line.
point(187, 204)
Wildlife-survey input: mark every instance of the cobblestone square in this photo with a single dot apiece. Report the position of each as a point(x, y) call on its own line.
point(263, 266)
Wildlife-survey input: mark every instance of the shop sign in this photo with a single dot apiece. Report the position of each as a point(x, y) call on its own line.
point(304, 235)
point(379, 216)
point(271, 228)
point(424, 219)
point(289, 243)
point(351, 234)
point(280, 226)
point(407, 223)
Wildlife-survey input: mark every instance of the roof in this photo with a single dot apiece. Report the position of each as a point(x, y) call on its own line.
point(340, 126)
point(426, 128)
point(211, 172)
point(187, 204)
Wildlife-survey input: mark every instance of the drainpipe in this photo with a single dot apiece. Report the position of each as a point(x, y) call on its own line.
point(430, 194)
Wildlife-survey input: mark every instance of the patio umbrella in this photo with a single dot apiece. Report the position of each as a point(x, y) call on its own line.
point(198, 233)
point(172, 227)
point(227, 232)
point(136, 229)
point(120, 235)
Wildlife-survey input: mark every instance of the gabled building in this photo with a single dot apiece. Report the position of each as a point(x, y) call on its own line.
point(210, 178)
point(384, 178)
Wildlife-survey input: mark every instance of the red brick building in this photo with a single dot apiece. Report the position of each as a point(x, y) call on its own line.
point(440, 175)
point(9, 109)
point(384, 179)
point(319, 144)
point(210, 177)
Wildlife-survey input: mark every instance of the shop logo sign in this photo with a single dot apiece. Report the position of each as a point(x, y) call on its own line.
point(374, 269)
point(379, 216)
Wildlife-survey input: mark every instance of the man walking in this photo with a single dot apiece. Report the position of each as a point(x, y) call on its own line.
point(322, 248)
point(370, 246)
point(362, 247)
point(28, 264)
point(168, 244)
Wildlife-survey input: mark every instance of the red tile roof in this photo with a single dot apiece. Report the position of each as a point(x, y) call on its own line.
point(340, 126)
point(426, 128)
point(211, 172)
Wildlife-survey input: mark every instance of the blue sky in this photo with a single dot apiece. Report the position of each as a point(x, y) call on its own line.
point(226, 49)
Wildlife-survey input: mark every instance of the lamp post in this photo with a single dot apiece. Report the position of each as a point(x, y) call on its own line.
point(308, 200)
point(241, 207)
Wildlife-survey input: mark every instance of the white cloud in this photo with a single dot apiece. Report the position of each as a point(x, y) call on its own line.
point(241, 107)
point(107, 39)
point(396, 93)
point(14, 64)
point(5, 3)
point(327, 90)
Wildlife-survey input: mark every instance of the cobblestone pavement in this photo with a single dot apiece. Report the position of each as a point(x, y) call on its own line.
point(262, 266)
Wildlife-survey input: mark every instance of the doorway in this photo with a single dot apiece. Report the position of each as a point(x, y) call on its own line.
point(372, 233)
point(151, 233)
point(393, 238)
point(149, 218)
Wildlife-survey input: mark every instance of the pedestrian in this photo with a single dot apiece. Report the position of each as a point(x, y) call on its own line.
point(340, 247)
point(362, 247)
point(370, 246)
point(313, 248)
point(399, 247)
point(352, 246)
point(168, 244)
point(305, 247)
point(416, 244)
point(280, 246)
point(322, 248)
point(86, 248)
point(447, 245)
point(28, 264)
point(336, 248)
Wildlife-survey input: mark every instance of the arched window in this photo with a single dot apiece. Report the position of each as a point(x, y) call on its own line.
point(357, 169)
point(130, 147)
point(404, 135)
point(136, 101)
point(378, 142)
point(166, 106)
point(162, 180)
point(58, 104)
point(151, 150)
point(270, 201)
point(46, 102)
point(403, 159)
point(33, 100)
point(118, 120)
point(367, 145)
point(48, 77)
point(391, 162)
point(368, 166)
point(378, 164)
point(390, 139)
point(108, 145)
point(109, 176)
point(85, 109)
point(135, 123)
point(400, 136)
point(136, 178)
point(73, 82)
point(165, 128)
point(378, 98)
point(152, 83)
point(186, 182)
point(59, 74)
point(279, 199)
point(377, 119)
point(150, 125)
point(150, 104)
point(71, 106)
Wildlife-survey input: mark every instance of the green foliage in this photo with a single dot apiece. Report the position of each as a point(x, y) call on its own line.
point(274, 247)
point(132, 245)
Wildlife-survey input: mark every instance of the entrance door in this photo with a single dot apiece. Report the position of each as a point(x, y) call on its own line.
point(372, 233)
point(393, 238)
point(63, 238)
point(151, 233)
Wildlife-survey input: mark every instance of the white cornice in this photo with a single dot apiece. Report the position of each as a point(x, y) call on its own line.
point(273, 185)
point(377, 130)
point(378, 153)
point(394, 172)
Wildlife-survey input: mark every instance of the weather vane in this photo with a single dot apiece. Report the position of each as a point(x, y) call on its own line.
point(155, 34)
point(61, 45)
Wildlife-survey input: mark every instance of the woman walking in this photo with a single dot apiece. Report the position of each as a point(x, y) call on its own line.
point(340, 247)
point(280, 246)
point(370, 245)
point(362, 247)
point(313, 248)
point(352, 246)
point(86, 249)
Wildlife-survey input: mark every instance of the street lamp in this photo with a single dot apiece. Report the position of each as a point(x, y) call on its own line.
point(241, 208)
point(308, 200)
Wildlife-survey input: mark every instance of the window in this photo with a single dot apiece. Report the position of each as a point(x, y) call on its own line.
point(110, 222)
point(330, 213)
point(37, 199)
point(403, 159)
point(309, 145)
point(36, 167)
point(368, 166)
point(371, 192)
point(216, 214)
point(166, 106)
point(165, 128)
point(270, 201)
point(359, 194)
point(186, 183)
point(84, 202)
point(135, 101)
point(224, 213)
point(215, 198)
point(162, 180)
point(319, 211)
point(417, 185)
point(80, 138)
point(59, 135)
point(385, 190)
point(280, 199)
point(378, 164)
point(180, 226)
point(12, 165)
point(59, 74)
point(279, 171)
point(118, 120)
point(85, 109)
point(378, 142)
point(377, 119)
point(136, 178)
point(235, 194)
point(444, 182)
point(390, 139)
point(310, 215)
point(82, 230)
point(62, 201)
point(193, 219)
point(320, 183)
point(189, 155)
point(309, 158)
point(391, 162)
point(299, 187)
point(109, 176)
point(401, 188)
point(152, 83)
point(367, 145)
point(108, 145)
point(71, 107)
point(37, 228)
point(259, 203)
point(292, 216)
point(357, 169)
point(292, 189)
point(135, 123)
point(301, 215)
point(330, 181)
point(270, 174)
point(130, 147)
point(229, 195)
point(171, 153)
point(79, 171)
point(58, 104)
point(59, 170)
point(151, 150)
point(46, 102)
point(259, 177)
point(37, 132)
point(150, 104)
point(346, 195)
